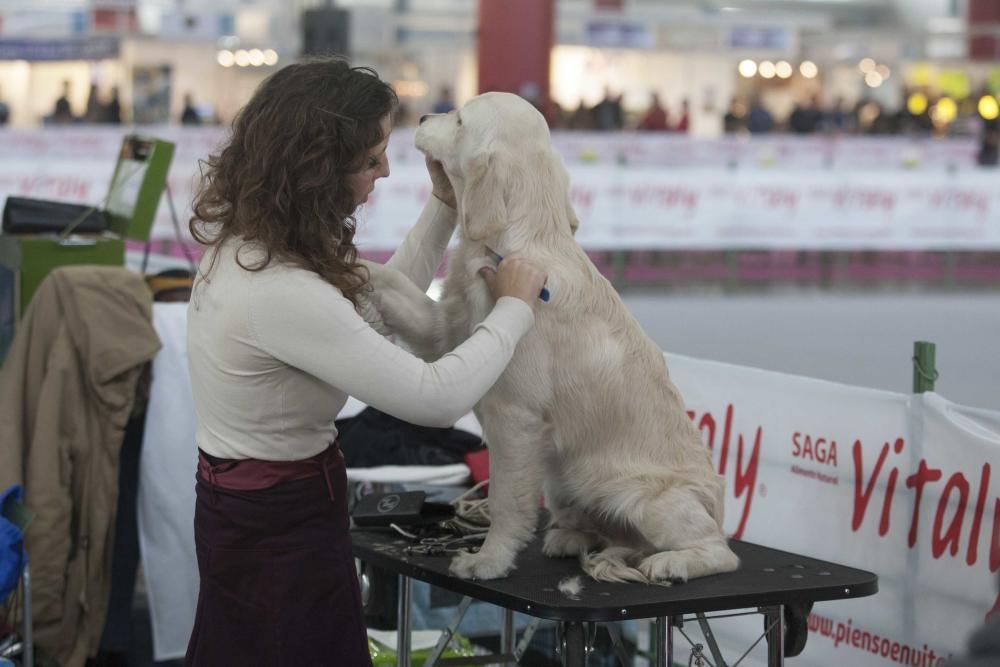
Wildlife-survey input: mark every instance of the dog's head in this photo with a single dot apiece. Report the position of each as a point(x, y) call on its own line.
point(498, 154)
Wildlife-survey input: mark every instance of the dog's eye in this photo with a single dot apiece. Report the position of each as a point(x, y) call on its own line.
point(458, 119)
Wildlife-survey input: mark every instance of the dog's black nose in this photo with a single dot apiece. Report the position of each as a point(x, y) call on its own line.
point(424, 117)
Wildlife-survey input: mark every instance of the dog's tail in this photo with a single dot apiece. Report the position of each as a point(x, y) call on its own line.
point(613, 564)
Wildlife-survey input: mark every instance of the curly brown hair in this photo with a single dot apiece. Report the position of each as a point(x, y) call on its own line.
point(279, 180)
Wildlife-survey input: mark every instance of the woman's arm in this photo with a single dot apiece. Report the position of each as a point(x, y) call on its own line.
point(306, 323)
point(422, 250)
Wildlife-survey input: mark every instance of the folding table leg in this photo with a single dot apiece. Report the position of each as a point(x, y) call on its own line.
point(526, 637)
point(574, 644)
point(403, 622)
point(664, 641)
point(713, 646)
point(615, 632)
point(448, 633)
point(773, 620)
point(507, 635)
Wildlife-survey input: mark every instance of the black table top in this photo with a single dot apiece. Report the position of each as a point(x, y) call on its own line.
point(766, 577)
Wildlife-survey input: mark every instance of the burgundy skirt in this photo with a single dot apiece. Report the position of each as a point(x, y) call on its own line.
point(278, 584)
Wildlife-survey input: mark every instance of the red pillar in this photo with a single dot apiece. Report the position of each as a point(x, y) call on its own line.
point(515, 45)
point(984, 18)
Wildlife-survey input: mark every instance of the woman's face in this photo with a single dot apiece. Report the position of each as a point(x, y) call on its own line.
point(375, 166)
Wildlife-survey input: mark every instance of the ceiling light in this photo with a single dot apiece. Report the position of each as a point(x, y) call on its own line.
point(767, 69)
point(242, 58)
point(917, 104)
point(783, 69)
point(944, 111)
point(256, 57)
point(808, 69)
point(867, 65)
point(873, 79)
point(270, 57)
point(988, 107)
point(748, 68)
point(225, 58)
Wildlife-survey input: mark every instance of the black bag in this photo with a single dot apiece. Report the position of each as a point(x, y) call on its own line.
point(374, 438)
point(23, 215)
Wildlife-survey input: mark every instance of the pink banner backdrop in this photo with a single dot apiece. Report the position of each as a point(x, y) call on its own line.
point(631, 191)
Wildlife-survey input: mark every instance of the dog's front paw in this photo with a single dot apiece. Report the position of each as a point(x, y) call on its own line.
point(390, 298)
point(665, 566)
point(482, 565)
point(562, 542)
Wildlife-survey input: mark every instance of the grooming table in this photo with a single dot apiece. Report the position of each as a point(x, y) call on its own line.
point(767, 581)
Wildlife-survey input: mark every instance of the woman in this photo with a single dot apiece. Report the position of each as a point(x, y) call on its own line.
point(277, 340)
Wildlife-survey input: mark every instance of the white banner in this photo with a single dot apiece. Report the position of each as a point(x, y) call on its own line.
point(630, 191)
point(899, 485)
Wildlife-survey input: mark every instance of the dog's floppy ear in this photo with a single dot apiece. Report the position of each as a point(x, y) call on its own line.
point(561, 176)
point(574, 222)
point(484, 207)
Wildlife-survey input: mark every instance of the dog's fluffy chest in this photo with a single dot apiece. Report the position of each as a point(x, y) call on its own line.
point(466, 301)
point(465, 297)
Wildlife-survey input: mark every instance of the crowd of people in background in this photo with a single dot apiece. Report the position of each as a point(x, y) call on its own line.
point(753, 116)
point(743, 116)
point(4, 111)
point(866, 116)
point(100, 109)
point(190, 114)
point(609, 115)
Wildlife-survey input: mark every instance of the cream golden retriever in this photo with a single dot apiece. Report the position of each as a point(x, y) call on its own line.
point(585, 412)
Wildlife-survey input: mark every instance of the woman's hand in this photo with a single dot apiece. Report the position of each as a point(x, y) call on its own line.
point(515, 276)
point(440, 184)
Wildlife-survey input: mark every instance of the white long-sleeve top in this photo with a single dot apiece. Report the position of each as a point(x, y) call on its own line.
point(275, 353)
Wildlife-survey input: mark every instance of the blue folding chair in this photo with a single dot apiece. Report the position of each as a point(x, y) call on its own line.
point(14, 573)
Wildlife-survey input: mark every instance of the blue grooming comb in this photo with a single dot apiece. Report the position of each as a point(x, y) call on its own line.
point(543, 295)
